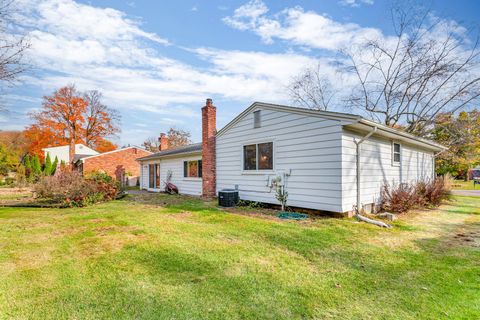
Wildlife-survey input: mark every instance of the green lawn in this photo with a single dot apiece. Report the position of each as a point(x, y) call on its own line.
point(188, 260)
point(464, 185)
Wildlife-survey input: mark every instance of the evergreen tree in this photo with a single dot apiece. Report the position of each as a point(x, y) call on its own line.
point(36, 167)
point(54, 165)
point(47, 169)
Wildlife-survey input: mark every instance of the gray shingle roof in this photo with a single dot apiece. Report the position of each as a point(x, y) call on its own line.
point(191, 148)
point(77, 156)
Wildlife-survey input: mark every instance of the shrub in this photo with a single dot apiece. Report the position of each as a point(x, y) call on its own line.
point(398, 199)
point(404, 197)
point(105, 184)
point(435, 192)
point(70, 189)
point(250, 204)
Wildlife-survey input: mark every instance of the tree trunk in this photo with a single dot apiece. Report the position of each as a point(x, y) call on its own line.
point(71, 153)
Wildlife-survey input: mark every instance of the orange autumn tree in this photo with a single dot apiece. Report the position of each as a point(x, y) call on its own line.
point(68, 117)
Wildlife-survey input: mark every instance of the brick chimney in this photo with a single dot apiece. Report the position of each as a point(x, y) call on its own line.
point(209, 130)
point(163, 142)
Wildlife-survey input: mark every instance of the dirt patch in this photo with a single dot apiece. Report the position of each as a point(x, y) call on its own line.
point(97, 220)
point(68, 231)
point(181, 216)
point(467, 236)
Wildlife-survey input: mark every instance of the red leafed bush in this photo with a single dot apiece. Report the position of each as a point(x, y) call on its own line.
point(404, 197)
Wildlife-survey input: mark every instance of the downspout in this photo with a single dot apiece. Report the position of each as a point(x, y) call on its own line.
point(358, 209)
point(358, 143)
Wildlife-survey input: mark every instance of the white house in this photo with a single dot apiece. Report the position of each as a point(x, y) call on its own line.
point(62, 152)
point(328, 161)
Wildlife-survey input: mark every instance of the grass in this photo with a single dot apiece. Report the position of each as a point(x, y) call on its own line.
point(181, 258)
point(9, 195)
point(464, 185)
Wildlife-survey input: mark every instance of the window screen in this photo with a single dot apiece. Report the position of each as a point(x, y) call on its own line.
point(258, 156)
point(192, 169)
point(265, 156)
point(397, 153)
point(250, 157)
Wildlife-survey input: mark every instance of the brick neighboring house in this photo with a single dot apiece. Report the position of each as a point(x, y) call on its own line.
point(118, 164)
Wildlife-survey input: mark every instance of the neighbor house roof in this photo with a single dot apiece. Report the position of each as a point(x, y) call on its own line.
point(113, 151)
point(188, 149)
point(77, 145)
point(78, 157)
point(351, 121)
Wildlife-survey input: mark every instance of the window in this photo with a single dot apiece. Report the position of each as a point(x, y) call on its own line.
point(256, 119)
point(154, 176)
point(151, 176)
point(258, 156)
point(396, 154)
point(192, 169)
point(157, 175)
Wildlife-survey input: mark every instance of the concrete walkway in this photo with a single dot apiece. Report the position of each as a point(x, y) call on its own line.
point(466, 193)
point(136, 191)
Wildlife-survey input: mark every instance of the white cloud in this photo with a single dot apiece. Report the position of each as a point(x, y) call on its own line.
point(306, 28)
point(355, 3)
point(122, 60)
point(112, 58)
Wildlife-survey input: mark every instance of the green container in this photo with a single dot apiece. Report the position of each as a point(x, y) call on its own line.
point(292, 215)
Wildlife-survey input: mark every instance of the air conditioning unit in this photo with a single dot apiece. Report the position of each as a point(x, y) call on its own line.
point(228, 198)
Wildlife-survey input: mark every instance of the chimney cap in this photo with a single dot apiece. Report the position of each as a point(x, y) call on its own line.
point(209, 102)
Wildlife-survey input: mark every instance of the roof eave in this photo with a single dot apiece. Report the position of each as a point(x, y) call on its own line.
point(343, 117)
point(402, 135)
point(169, 156)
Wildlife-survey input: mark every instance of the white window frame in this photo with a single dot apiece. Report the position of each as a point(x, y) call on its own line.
point(395, 163)
point(187, 178)
point(258, 171)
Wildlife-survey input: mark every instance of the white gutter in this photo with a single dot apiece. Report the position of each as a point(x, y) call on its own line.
point(358, 143)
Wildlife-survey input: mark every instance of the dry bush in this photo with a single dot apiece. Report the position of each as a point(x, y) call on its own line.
point(404, 197)
point(398, 199)
point(70, 189)
point(436, 191)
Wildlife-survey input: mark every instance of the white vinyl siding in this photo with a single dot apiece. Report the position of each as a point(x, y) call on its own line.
point(308, 147)
point(185, 185)
point(63, 153)
point(378, 168)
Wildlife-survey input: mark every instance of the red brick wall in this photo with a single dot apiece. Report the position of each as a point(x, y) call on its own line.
point(116, 163)
point(209, 130)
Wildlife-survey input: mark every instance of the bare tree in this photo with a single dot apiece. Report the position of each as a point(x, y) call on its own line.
point(101, 121)
point(312, 89)
point(178, 138)
point(429, 66)
point(12, 47)
point(151, 144)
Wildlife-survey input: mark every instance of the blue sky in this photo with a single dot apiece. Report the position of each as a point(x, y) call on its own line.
point(157, 61)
